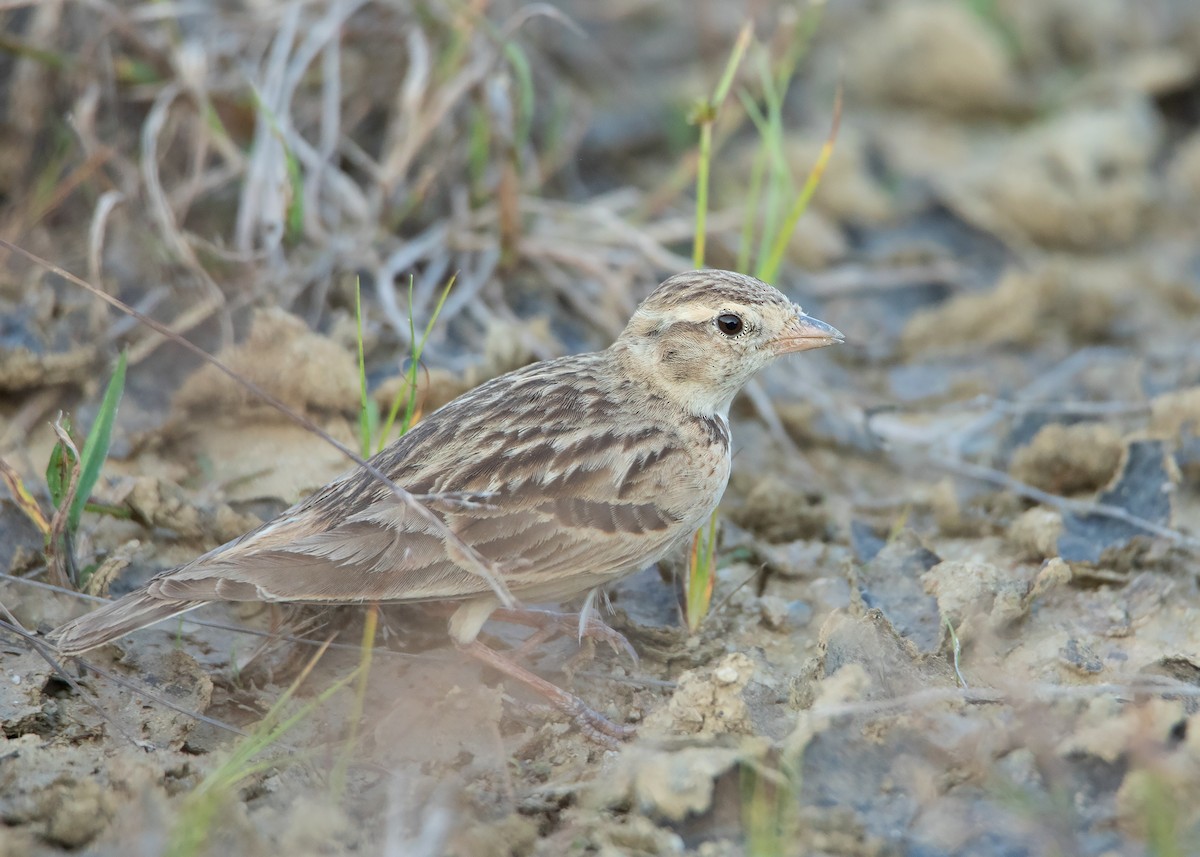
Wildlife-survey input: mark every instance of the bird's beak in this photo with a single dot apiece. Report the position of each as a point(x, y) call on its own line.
point(805, 333)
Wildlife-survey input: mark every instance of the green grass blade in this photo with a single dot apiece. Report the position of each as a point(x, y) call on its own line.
point(735, 60)
point(705, 115)
point(95, 448)
point(364, 401)
point(771, 266)
point(414, 365)
point(698, 245)
point(770, 129)
point(294, 215)
point(525, 94)
point(295, 208)
point(410, 377)
point(702, 567)
point(410, 386)
point(479, 148)
point(59, 467)
point(418, 348)
point(437, 310)
point(414, 362)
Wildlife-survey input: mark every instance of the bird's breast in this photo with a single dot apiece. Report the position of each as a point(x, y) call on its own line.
point(707, 442)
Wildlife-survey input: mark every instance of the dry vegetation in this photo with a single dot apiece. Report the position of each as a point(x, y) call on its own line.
point(955, 609)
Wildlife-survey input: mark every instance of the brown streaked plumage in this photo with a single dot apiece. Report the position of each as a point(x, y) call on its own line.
point(566, 474)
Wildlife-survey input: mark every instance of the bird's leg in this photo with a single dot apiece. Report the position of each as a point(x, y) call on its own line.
point(549, 623)
point(592, 723)
point(534, 641)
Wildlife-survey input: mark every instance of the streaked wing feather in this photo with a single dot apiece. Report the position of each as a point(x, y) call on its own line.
point(558, 504)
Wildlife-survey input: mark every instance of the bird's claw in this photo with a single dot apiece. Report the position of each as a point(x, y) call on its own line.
point(590, 722)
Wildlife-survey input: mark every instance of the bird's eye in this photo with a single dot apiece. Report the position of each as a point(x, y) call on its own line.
point(730, 324)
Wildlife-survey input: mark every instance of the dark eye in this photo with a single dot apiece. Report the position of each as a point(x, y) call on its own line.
point(730, 324)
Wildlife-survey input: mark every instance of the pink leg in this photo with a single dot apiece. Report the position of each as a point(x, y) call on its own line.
point(566, 623)
point(592, 723)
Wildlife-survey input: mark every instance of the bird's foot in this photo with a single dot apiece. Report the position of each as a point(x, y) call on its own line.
point(590, 722)
point(550, 623)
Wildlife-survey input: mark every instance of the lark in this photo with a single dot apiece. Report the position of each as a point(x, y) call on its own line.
point(564, 476)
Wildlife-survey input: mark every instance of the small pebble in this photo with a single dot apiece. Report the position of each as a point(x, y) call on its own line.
point(725, 674)
point(774, 612)
point(800, 613)
point(780, 615)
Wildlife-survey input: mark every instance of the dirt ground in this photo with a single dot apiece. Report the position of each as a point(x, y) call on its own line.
point(957, 608)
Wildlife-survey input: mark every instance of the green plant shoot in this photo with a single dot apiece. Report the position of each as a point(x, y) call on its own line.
point(768, 800)
point(702, 568)
point(705, 115)
point(95, 451)
point(409, 394)
point(366, 405)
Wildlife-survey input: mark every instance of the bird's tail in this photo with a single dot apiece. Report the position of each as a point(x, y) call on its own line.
point(115, 620)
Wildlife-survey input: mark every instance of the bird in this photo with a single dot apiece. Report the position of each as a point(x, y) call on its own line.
point(564, 476)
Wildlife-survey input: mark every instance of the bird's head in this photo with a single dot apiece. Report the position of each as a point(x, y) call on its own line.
point(700, 336)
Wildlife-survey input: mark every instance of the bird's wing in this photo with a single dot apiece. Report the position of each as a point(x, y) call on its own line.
point(530, 476)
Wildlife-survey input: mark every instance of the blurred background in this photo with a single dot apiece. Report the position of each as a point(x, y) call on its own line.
point(955, 601)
